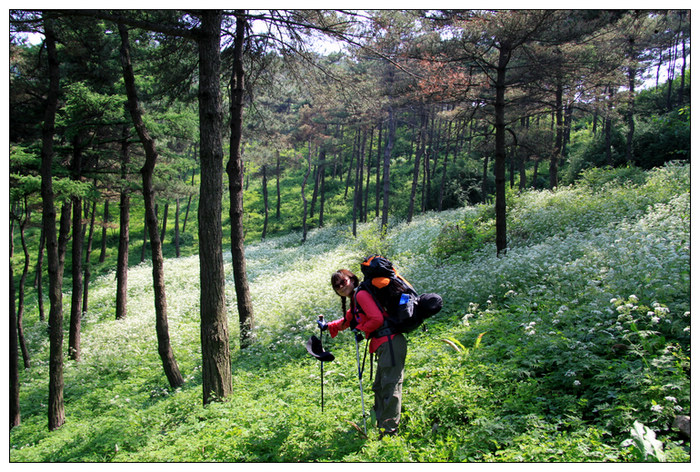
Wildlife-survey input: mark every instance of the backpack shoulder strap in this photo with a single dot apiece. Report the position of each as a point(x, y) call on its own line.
point(368, 287)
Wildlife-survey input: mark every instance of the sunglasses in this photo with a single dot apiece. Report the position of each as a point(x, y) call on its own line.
point(341, 283)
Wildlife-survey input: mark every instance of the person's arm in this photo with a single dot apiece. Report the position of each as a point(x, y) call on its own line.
point(334, 327)
point(374, 316)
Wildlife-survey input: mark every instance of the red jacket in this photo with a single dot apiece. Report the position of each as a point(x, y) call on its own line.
point(369, 319)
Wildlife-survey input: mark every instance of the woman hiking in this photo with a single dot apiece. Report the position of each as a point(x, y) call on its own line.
point(366, 316)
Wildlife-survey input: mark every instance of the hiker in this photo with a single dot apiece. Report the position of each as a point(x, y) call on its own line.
point(364, 315)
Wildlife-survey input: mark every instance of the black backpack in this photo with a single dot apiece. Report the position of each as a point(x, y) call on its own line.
point(405, 310)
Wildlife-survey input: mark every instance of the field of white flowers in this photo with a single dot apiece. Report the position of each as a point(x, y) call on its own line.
point(556, 349)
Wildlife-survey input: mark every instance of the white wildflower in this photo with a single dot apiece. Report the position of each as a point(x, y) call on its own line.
point(657, 408)
point(634, 299)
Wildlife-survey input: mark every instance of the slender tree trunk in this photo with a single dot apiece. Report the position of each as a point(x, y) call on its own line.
point(265, 202)
point(165, 223)
point(377, 190)
point(322, 190)
point(234, 169)
point(172, 372)
point(388, 150)
point(521, 168)
point(14, 352)
point(76, 310)
point(216, 356)
point(681, 90)
point(485, 179)
point(88, 251)
point(500, 154)
point(22, 283)
point(317, 181)
point(39, 278)
point(441, 193)
point(56, 409)
point(357, 200)
point(554, 159)
point(123, 250)
point(420, 150)
point(279, 193)
point(608, 127)
point(303, 196)
point(365, 205)
point(145, 237)
point(105, 223)
point(351, 169)
point(632, 78)
point(177, 227)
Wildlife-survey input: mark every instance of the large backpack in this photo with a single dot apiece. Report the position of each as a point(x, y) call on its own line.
point(405, 310)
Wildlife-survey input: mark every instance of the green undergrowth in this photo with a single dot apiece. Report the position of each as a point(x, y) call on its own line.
point(573, 346)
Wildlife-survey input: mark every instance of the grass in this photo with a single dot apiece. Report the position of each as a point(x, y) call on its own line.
point(519, 366)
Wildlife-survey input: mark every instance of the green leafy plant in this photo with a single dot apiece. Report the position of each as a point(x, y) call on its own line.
point(644, 445)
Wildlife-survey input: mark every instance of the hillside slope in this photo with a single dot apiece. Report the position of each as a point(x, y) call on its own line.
point(549, 353)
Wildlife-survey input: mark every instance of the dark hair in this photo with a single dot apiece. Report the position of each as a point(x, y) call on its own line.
point(338, 276)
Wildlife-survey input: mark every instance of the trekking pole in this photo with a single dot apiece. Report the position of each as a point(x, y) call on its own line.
point(359, 376)
point(320, 318)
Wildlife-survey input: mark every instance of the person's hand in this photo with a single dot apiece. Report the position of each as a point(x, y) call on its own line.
point(358, 336)
point(322, 325)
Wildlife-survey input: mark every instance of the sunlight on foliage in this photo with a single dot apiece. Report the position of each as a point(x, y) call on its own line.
point(573, 346)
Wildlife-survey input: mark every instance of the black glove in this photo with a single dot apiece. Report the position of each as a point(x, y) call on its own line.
point(322, 324)
point(358, 336)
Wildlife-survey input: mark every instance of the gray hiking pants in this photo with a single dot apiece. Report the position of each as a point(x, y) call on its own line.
point(388, 382)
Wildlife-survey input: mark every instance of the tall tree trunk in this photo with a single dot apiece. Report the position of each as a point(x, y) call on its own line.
point(123, 251)
point(165, 223)
point(76, 309)
point(303, 196)
point(500, 154)
point(632, 78)
point(279, 194)
point(377, 190)
point(56, 409)
point(351, 169)
point(38, 282)
point(172, 372)
point(420, 150)
point(322, 189)
point(234, 169)
point(365, 205)
point(105, 223)
point(388, 150)
point(681, 90)
point(216, 355)
point(443, 179)
point(14, 352)
point(22, 282)
point(177, 227)
point(485, 178)
point(554, 159)
point(265, 202)
point(145, 237)
point(357, 195)
point(608, 127)
point(88, 251)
